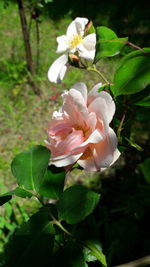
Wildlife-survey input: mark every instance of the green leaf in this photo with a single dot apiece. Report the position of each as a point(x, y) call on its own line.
point(30, 166)
point(145, 168)
point(76, 203)
point(96, 250)
point(4, 199)
point(32, 244)
point(144, 102)
point(19, 192)
point(108, 44)
point(53, 183)
point(133, 74)
point(88, 255)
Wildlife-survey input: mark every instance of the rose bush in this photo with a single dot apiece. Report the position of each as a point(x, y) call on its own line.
point(77, 41)
point(80, 131)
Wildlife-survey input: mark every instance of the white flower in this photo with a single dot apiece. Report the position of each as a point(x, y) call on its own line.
point(73, 41)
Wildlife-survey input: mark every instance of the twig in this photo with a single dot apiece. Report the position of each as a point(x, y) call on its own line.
point(137, 263)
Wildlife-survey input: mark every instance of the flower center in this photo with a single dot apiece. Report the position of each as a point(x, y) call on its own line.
point(77, 39)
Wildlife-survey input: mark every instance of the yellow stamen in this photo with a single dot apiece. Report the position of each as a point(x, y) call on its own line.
point(77, 39)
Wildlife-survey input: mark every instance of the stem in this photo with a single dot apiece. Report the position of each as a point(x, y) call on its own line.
point(99, 73)
point(137, 47)
point(37, 45)
point(61, 227)
point(120, 126)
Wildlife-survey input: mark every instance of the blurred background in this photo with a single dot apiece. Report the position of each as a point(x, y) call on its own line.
point(24, 114)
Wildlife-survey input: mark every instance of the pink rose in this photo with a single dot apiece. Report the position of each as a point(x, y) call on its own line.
point(80, 131)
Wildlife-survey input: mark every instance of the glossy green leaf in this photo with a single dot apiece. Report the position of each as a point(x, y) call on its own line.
point(32, 244)
point(96, 250)
point(133, 74)
point(17, 192)
point(145, 168)
point(53, 183)
point(108, 44)
point(76, 203)
point(4, 199)
point(144, 102)
point(29, 167)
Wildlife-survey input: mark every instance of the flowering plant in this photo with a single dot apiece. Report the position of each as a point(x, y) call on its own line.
point(76, 41)
point(68, 230)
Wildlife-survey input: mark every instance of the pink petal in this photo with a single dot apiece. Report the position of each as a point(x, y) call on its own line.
point(65, 160)
point(87, 161)
point(100, 108)
point(93, 94)
point(75, 108)
point(105, 152)
point(110, 105)
point(81, 87)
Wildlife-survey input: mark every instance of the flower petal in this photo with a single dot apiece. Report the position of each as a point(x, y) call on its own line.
point(85, 53)
point(80, 25)
point(93, 94)
point(75, 107)
point(100, 108)
point(110, 105)
point(88, 164)
point(65, 160)
point(106, 153)
point(89, 42)
point(81, 87)
point(58, 69)
point(71, 30)
point(94, 138)
point(62, 44)
point(87, 161)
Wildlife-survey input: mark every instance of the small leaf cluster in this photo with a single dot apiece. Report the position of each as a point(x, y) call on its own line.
point(52, 235)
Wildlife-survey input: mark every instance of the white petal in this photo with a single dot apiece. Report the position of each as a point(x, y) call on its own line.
point(72, 30)
point(58, 69)
point(81, 87)
point(62, 44)
point(80, 25)
point(65, 160)
point(110, 105)
point(84, 53)
point(89, 42)
point(93, 94)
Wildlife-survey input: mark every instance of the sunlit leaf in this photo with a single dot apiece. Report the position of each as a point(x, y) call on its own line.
point(133, 74)
point(108, 44)
point(95, 249)
point(30, 166)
